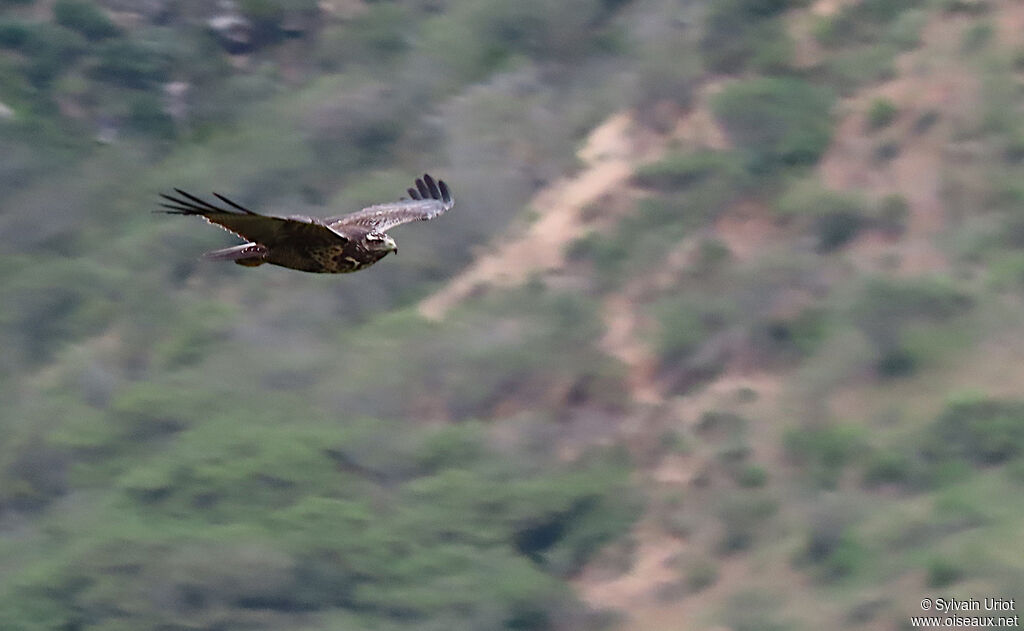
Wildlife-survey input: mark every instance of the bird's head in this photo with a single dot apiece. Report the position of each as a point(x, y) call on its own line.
point(379, 242)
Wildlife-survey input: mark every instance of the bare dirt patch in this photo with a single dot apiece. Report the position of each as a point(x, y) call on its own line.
point(610, 155)
point(652, 566)
point(933, 92)
point(747, 229)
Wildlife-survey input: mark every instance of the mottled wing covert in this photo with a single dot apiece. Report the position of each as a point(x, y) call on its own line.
point(429, 199)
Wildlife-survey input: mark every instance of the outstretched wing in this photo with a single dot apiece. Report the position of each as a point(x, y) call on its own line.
point(263, 229)
point(429, 199)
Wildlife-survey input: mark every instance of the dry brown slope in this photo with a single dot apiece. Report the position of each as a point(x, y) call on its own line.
point(929, 79)
point(609, 156)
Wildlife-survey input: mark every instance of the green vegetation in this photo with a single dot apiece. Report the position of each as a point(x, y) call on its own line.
point(352, 467)
point(680, 171)
point(745, 360)
point(741, 32)
point(893, 212)
point(889, 311)
point(981, 430)
point(833, 549)
point(744, 517)
point(860, 21)
point(84, 17)
point(130, 64)
point(235, 519)
point(779, 122)
point(942, 572)
point(836, 218)
point(881, 113)
point(977, 37)
point(701, 574)
point(825, 452)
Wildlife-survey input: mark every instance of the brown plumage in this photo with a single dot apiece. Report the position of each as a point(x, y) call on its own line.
point(335, 245)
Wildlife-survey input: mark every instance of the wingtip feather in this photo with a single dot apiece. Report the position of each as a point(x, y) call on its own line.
point(432, 186)
point(188, 204)
point(446, 194)
point(424, 191)
point(233, 204)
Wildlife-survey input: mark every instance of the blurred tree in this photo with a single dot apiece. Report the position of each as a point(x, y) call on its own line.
point(84, 17)
point(779, 122)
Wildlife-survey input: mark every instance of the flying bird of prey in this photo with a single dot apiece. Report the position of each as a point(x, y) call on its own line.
point(337, 245)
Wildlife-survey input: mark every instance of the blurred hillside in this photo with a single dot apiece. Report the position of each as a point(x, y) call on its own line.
point(724, 330)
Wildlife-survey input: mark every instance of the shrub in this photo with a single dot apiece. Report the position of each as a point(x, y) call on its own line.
point(881, 112)
point(979, 429)
point(712, 255)
point(886, 307)
point(148, 116)
point(682, 329)
point(265, 15)
point(130, 63)
point(892, 214)
point(680, 170)
point(791, 338)
point(715, 425)
point(358, 128)
point(57, 303)
point(379, 35)
point(471, 39)
point(862, 65)
point(1015, 471)
point(282, 520)
point(972, 7)
point(833, 548)
point(977, 37)
point(33, 474)
point(84, 17)
point(860, 22)
point(49, 48)
point(743, 517)
point(887, 150)
point(701, 574)
point(775, 50)
point(836, 229)
point(825, 451)
point(752, 476)
point(942, 572)
point(905, 31)
point(896, 362)
point(837, 217)
point(143, 411)
point(1018, 59)
point(926, 121)
point(888, 466)
point(667, 71)
point(738, 31)
point(778, 121)
point(14, 34)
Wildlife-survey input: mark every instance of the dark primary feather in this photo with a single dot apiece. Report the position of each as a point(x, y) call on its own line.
point(430, 199)
point(338, 245)
point(252, 226)
point(426, 188)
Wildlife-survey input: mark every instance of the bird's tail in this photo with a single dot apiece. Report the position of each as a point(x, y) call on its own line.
point(248, 254)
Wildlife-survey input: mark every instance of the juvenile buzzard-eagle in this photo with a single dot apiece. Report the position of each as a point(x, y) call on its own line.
point(331, 246)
